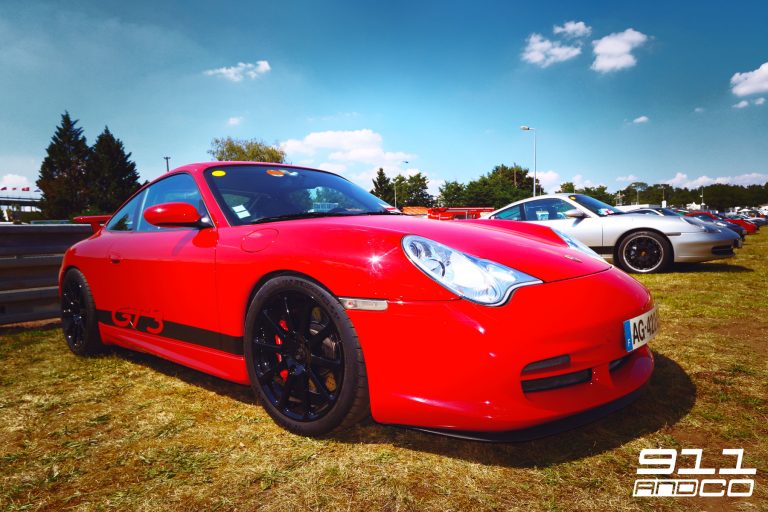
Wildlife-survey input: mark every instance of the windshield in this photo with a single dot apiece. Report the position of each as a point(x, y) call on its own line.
point(250, 194)
point(670, 213)
point(597, 207)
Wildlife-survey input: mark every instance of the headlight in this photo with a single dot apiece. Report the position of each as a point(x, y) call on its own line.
point(575, 244)
point(474, 279)
point(699, 224)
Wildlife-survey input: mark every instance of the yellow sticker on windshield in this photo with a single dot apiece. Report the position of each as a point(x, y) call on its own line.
point(275, 172)
point(218, 173)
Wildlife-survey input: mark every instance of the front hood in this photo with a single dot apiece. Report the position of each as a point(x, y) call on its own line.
point(666, 224)
point(537, 252)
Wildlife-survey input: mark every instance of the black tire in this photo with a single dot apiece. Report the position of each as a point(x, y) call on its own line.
point(78, 315)
point(298, 338)
point(644, 252)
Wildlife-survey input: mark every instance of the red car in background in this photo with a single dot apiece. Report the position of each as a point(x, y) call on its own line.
point(331, 306)
point(699, 214)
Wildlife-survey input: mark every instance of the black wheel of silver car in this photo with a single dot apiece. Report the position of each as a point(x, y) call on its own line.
point(644, 252)
point(304, 360)
point(78, 315)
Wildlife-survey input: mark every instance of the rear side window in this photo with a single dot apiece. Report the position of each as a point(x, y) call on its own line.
point(513, 213)
point(126, 217)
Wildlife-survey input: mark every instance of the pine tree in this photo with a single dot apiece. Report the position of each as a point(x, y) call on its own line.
point(111, 175)
point(62, 174)
point(383, 188)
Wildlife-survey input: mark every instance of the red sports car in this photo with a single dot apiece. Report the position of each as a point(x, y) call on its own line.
point(748, 226)
point(331, 306)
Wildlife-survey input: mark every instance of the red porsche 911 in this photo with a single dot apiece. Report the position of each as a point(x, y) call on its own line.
point(331, 306)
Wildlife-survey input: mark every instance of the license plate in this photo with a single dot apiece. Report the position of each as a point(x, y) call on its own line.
point(640, 330)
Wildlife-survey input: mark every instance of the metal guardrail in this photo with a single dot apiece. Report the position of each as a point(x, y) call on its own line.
point(30, 257)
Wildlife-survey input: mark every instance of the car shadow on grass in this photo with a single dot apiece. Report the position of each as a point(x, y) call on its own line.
point(667, 398)
point(685, 268)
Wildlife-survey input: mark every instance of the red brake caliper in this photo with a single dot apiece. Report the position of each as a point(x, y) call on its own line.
point(278, 341)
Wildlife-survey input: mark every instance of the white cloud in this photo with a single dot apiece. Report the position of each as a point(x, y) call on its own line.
point(549, 180)
point(358, 154)
point(361, 146)
point(627, 179)
point(543, 52)
point(741, 104)
point(580, 182)
point(11, 180)
point(241, 71)
point(641, 120)
point(614, 51)
point(681, 180)
point(699, 110)
point(750, 82)
point(234, 121)
point(573, 29)
point(759, 101)
point(332, 167)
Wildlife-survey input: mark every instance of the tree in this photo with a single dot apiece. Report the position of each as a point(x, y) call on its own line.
point(400, 191)
point(452, 194)
point(111, 176)
point(252, 150)
point(62, 178)
point(600, 193)
point(382, 187)
point(417, 191)
point(567, 187)
point(503, 185)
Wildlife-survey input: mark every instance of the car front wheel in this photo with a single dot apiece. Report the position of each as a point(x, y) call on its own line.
point(304, 359)
point(644, 252)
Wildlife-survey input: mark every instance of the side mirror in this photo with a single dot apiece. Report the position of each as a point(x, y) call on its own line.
point(175, 215)
point(575, 214)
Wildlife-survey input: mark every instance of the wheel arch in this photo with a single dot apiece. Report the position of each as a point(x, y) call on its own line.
point(624, 236)
point(272, 275)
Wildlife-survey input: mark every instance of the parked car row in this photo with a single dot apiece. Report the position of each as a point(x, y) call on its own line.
point(643, 241)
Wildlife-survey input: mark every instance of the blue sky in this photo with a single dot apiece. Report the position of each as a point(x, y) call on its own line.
point(654, 91)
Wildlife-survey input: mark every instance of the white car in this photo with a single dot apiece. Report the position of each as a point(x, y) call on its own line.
point(634, 242)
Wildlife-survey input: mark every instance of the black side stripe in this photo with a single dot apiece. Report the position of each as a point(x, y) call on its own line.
point(182, 332)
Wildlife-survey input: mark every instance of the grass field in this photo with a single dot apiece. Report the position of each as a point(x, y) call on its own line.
point(128, 431)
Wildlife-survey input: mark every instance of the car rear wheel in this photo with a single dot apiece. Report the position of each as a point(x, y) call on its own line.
point(78, 315)
point(304, 359)
point(644, 252)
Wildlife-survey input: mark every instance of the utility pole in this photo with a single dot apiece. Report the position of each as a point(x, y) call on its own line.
point(167, 166)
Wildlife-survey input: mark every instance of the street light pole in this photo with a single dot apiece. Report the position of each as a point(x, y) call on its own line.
point(526, 128)
point(167, 166)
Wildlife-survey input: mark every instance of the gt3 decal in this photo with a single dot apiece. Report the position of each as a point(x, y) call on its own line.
point(148, 321)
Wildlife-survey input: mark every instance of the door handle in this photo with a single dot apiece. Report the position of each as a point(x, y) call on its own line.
point(115, 258)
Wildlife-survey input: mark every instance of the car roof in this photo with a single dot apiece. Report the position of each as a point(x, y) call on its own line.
point(199, 167)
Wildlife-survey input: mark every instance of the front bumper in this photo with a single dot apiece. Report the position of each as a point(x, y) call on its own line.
point(458, 366)
point(698, 247)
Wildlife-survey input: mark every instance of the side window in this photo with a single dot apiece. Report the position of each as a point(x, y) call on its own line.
point(546, 209)
point(513, 213)
point(126, 217)
point(179, 188)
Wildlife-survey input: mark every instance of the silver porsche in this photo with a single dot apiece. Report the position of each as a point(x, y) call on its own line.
point(634, 242)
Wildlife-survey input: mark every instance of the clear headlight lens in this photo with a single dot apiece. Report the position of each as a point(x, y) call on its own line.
point(575, 244)
point(474, 279)
point(700, 225)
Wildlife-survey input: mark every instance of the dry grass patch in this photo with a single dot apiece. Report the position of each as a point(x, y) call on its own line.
point(127, 431)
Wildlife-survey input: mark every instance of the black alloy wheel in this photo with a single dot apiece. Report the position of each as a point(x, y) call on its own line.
point(303, 357)
point(644, 252)
point(78, 315)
